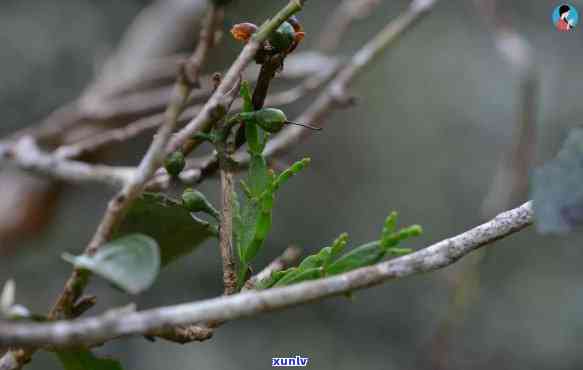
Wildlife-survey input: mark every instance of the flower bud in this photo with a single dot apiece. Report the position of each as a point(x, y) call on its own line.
point(269, 119)
point(283, 38)
point(195, 201)
point(175, 163)
point(243, 31)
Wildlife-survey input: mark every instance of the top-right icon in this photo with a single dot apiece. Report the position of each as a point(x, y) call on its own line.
point(565, 17)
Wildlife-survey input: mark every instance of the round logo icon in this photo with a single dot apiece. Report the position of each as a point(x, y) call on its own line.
point(565, 17)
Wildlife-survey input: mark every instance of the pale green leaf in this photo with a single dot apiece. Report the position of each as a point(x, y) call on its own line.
point(167, 221)
point(131, 263)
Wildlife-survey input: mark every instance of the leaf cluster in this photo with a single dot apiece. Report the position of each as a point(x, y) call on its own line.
point(330, 261)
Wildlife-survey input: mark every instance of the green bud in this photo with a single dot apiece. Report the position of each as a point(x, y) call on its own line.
point(175, 163)
point(282, 38)
point(195, 201)
point(270, 119)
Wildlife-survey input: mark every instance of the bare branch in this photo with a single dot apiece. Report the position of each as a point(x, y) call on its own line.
point(347, 12)
point(317, 71)
point(226, 228)
point(434, 257)
point(26, 155)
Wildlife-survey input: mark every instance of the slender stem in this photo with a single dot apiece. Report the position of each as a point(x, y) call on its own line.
point(226, 229)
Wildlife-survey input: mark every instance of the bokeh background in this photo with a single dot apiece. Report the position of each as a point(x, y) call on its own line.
point(435, 117)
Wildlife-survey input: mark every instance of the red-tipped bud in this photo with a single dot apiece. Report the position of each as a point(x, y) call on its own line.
point(243, 31)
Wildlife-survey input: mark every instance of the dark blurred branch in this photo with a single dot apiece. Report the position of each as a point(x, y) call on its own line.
point(315, 66)
point(344, 15)
point(510, 184)
point(434, 257)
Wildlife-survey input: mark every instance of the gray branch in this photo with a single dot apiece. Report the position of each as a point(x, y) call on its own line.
point(434, 257)
point(26, 155)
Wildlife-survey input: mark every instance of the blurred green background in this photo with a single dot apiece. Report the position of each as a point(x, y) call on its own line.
point(434, 118)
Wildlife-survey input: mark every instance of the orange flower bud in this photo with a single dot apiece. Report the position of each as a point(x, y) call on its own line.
point(243, 31)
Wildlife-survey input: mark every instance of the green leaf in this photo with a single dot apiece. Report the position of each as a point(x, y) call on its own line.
point(245, 227)
point(166, 220)
point(295, 168)
point(85, 360)
point(365, 255)
point(262, 227)
point(338, 246)
point(388, 242)
point(316, 260)
point(245, 93)
point(258, 179)
point(253, 134)
point(557, 189)
point(271, 280)
point(131, 263)
point(296, 275)
point(389, 227)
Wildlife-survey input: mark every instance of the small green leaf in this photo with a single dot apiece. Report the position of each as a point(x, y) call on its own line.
point(338, 245)
point(253, 134)
point(262, 227)
point(390, 241)
point(316, 260)
point(245, 93)
point(169, 223)
point(258, 179)
point(270, 281)
point(295, 168)
point(296, 275)
point(245, 228)
point(85, 360)
point(365, 255)
point(131, 263)
point(389, 227)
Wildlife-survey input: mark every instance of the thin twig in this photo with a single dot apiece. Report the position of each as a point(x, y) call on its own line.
point(320, 71)
point(226, 229)
point(434, 257)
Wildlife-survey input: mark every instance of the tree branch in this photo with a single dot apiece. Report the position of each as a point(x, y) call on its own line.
point(434, 257)
point(26, 155)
